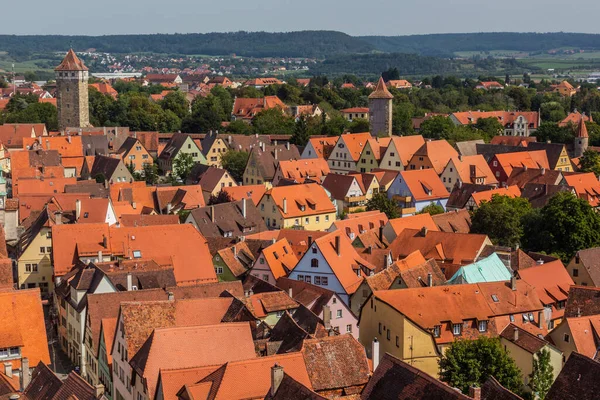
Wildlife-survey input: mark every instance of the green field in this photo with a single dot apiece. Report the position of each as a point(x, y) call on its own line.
point(20, 67)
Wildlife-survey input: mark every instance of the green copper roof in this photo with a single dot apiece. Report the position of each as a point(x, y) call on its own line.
point(490, 269)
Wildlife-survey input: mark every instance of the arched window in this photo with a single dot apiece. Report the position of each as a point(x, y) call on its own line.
point(314, 263)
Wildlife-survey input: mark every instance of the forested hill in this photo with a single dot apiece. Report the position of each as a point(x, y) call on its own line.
point(317, 44)
point(444, 45)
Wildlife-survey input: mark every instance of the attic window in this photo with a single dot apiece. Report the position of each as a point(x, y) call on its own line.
point(85, 215)
point(276, 255)
point(495, 298)
point(137, 254)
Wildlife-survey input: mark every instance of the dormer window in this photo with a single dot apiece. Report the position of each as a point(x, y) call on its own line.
point(437, 331)
point(482, 326)
point(456, 329)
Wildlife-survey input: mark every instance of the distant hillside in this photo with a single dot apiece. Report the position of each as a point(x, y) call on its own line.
point(416, 65)
point(444, 45)
point(318, 44)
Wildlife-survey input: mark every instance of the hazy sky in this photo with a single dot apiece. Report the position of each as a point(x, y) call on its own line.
point(355, 17)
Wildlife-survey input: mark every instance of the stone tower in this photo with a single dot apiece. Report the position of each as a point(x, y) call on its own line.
point(380, 110)
point(72, 93)
point(581, 139)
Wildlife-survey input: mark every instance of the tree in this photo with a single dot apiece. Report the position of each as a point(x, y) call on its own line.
point(273, 121)
point(221, 197)
point(182, 165)
point(239, 127)
point(590, 162)
point(491, 126)
point(359, 125)
point(235, 162)
point(176, 102)
point(542, 375)
point(564, 226)
point(436, 127)
point(469, 363)
point(301, 134)
point(150, 173)
point(432, 209)
point(501, 219)
point(381, 202)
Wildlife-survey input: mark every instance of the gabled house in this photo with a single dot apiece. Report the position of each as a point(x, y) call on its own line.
point(249, 192)
point(245, 109)
point(300, 171)
point(275, 261)
point(319, 147)
point(353, 113)
point(214, 146)
point(400, 151)
point(564, 88)
point(584, 267)
point(461, 194)
point(467, 169)
point(521, 176)
point(515, 123)
point(263, 160)
point(234, 219)
point(134, 154)
point(211, 179)
point(477, 198)
point(233, 262)
point(346, 153)
point(333, 263)
point(410, 323)
point(586, 185)
point(178, 144)
point(395, 226)
point(502, 164)
point(360, 223)
point(304, 206)
point(371, 155)
point(108, 169)
point(489, 269)
point(415, 190)
point(558, 158)
point(434, 154)
point(346, 192)
point(489, 85)
point(269, 307)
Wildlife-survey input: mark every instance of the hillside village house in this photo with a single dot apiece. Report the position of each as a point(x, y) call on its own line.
point(503, 164)
point(233, 219)
point(584, 267)
point(301, 171)
point(586, 185)
point(370, 157)
point(180, 143)
point(211, 179)
point(355, 113)
point(263, 160)
point(479, 197)
point(333, 263)
point(558, 158)
point(467, 169)
point(433, 154)
point(233, 262)
point(275, 261)
point(410, 324)
point(245, 109)
point(304, 206)
point(214, 146)
point(112, 170)
point(415, 190)
point(399, 152)
point(319, 147)
point(346, 154)
point(134, 154)
point(515, 123)
point(346, 191)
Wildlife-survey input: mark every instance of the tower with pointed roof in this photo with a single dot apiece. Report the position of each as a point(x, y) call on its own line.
point(380, 110)
point(581, 139)
point(72, 92)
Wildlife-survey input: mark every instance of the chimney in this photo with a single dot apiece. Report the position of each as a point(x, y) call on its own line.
point(229, 139)
point(275, 153)
point(475, 392)
point(429, 279)
point(77, 209)
point(99, 388)
point(287, 145)
point(515, 334)
point(244, 207)
point(290, 292)
point(540, 319)
point(309, 240)
point(170, 296)
point(104, 242)
point(375, 353)
point(212, 214)
point(100, 256)
point(133, 205)
point(58, 218)
point(327, 317)
point(337, 245)
point(69, 139)
point(424, 231)
point(284, 205)
point(543, 171)
point(47, 144)
point(8, 369)
point(276, 378)
point(524, 167)
point(25, 375)
point(234, 251)
point(578, 312)
point(169, 208)
point(129, 282)
point(513, 283)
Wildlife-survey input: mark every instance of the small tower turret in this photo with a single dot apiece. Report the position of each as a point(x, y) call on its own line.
point(72, 92)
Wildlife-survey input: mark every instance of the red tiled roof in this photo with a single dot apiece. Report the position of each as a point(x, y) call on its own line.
point(381, 91)
point(71, 63)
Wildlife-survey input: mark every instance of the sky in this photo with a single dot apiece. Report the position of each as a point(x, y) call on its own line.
point(355, 17)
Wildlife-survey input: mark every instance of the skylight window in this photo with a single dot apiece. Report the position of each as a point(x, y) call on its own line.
point(495, 298)
point(137, 254)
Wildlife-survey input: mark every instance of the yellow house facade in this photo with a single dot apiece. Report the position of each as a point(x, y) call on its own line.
point(577, 269)
point(215, 152)
point(299, 207)
point(371, 154)
point(34, 266)
point(397, 335)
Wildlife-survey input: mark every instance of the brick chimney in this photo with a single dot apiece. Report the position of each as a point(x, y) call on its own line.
point(513, 283)
point(8, 369)
point(326, 317)
point(25, 374)
point(276, 378)
point(516, 334)
point(475, 392)
point(77, 209)
point(99, 389)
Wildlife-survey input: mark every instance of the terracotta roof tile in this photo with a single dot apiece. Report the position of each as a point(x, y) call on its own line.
point(280, 258)
point(71, 63)
point(471, 167)
point(424, 184)
point(312, 197)
point(248, 192)
point(298, 171)
point(439, 152)
point(511, 191)
point(381, 91)
point(454, 221)
point(577, 380)
point(525, 340)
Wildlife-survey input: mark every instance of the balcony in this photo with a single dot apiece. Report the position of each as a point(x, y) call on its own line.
point(408, 211)
point(355, 199)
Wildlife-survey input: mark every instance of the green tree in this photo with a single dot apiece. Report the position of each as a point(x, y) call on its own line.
point(235, 162)
point(273, 121)
point(554, 133)
point(491, 126)
point(469, 363)
point(432, 209)
point(564, 226)
point(101, 108)
point(239, 127)
point(207, 114)
point(436, 127)
point(150, 173)
point(542, 377)
point(359, 125)
point(182, 165)
point(381, 202)
point(301, 134)
point(221, 197)
point(176, 102)
point(590, 162)
point(501, 219)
